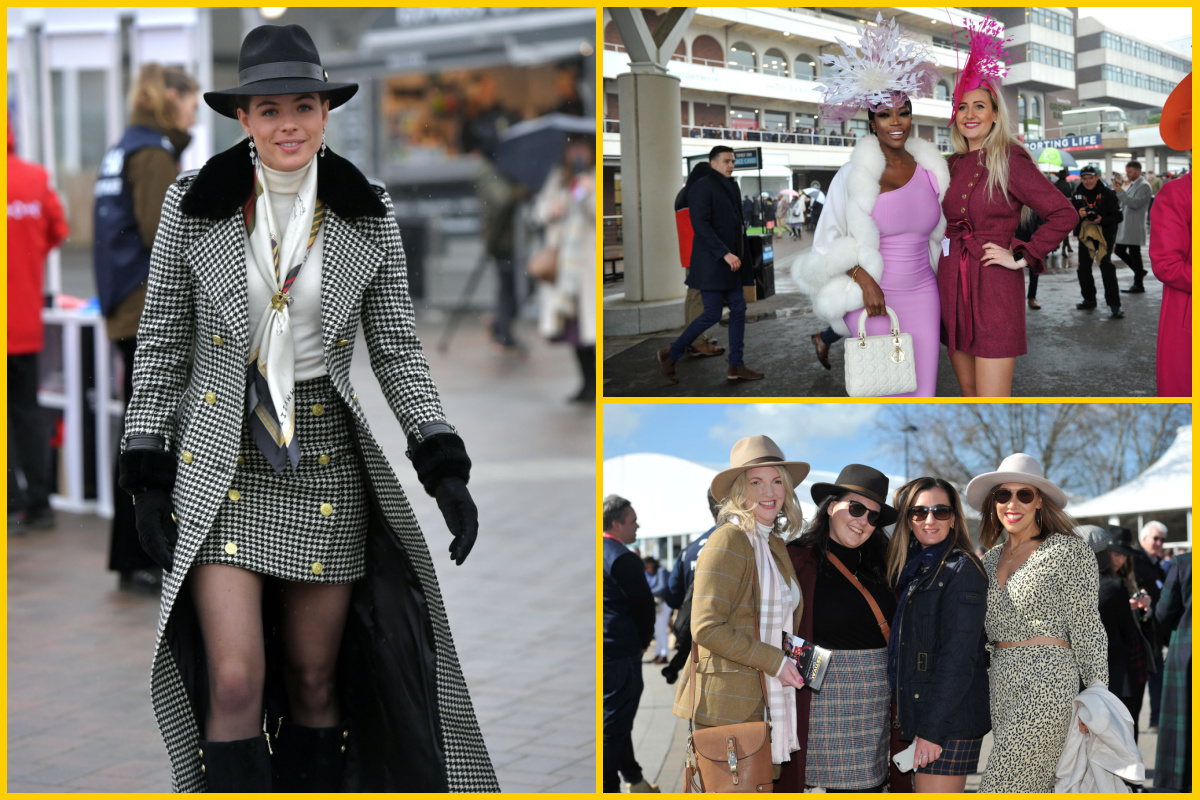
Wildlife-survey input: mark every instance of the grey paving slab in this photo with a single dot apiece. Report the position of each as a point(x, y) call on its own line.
point(79, 715)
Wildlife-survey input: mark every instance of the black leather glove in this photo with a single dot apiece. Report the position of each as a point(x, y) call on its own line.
point(155, 526)
point(148, 473)
point(443, 468)
point(462, 518)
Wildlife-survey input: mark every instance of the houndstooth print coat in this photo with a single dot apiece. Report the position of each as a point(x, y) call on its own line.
point(410, 715)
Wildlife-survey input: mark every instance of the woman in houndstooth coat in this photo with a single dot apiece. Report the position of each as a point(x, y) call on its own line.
point(302, 640)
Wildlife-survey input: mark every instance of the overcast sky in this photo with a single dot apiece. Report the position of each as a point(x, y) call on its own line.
point(1153, 24)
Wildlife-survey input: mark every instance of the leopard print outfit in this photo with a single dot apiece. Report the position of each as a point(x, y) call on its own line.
point(1054, 593)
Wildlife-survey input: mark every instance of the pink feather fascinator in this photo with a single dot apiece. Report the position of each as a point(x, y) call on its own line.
point(987, 61)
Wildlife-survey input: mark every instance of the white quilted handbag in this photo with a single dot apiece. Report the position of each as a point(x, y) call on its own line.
point(880, 365)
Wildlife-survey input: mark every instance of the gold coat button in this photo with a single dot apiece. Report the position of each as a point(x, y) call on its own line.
point(231, 548)
point(964, 197)
point(318, 409)
point(354, 397)
point(235, 495)
point(187, 456)
point(322, 459)
point(217, 340)
point(341, 343)
point(202, 754)
point(326, 509)
point(963, 209)
point(915, 696)
point(972, 183)
point(317, 568)
point(174, 518)
point(343, 748)
point(345, 734)
point(210, 398)
point(201, 768)
point(241, 460)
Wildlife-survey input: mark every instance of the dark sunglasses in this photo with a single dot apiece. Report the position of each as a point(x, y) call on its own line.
point(1026, 496)
point(1156, 539)
point(918, 513)
point(857, 509)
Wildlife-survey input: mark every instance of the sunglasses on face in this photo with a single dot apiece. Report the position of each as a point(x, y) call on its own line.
point(1157, 540)
point(918, 513)
point(857, 509)
point(1026, 496)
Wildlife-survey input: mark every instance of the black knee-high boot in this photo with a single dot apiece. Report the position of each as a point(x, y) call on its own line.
point(586, 356)
point(243, 765)
point(309, 759)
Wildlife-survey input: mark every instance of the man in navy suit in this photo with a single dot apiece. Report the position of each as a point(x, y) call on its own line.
point(715, 209)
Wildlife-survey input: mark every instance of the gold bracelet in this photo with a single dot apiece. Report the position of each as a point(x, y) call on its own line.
point(854, 273)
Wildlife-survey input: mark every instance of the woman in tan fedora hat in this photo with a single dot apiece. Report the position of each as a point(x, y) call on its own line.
point(1042, 621)
point(758, 510)
point(840, 561)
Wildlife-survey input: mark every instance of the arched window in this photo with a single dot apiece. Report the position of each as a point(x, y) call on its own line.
point(1021, 115)
point(742, 56)
point(804, 68)
point(680, 52)
point(1034, 110)
point(611, 34)
point(707, 50)
point(941, 91)
point(775, 63)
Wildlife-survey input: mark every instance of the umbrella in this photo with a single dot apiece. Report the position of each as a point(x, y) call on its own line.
point(1055, 157)
point(790, 192)
point(816, 194)
point(529, 150)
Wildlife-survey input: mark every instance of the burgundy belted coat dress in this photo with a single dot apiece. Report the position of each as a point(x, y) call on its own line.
point(983, 306)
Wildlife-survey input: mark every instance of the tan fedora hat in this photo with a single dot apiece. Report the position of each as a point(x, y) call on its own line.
point(1017, 468)
point(751, 452)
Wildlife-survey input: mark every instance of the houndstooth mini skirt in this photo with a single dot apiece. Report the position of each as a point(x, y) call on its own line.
point(309, 525)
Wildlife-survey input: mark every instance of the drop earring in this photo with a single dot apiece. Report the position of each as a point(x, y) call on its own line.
point(324, 147)
point(253, 154)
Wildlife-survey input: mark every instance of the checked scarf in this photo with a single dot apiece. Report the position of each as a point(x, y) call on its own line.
point(773, 620)
point(271, 365)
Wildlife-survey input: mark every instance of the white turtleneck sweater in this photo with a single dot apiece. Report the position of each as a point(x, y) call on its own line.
point(305, 309)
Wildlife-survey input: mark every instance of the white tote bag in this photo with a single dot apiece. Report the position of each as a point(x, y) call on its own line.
point(880, 365)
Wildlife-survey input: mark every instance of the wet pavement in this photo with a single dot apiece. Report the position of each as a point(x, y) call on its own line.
point(79, 715)
point(1071, 353)
point(660, 737)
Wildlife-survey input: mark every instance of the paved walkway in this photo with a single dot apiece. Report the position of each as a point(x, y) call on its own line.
point(1071, 353)
point(660, 738)
point(79, 715)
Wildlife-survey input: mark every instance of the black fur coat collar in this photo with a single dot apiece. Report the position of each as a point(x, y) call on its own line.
point(223, 184)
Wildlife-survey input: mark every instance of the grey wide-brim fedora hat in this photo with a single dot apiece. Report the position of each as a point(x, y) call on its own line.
point(751, 452)
point(279, 59)
point(1017, 468)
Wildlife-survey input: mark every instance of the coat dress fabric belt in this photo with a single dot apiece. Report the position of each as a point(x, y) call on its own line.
point(968, 274)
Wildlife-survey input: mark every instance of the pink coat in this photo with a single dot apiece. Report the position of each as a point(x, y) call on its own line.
point(1171, 260)
point(983, 307)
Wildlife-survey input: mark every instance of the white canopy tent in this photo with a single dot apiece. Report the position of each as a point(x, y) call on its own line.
point(668, 495)
point(1164, 486)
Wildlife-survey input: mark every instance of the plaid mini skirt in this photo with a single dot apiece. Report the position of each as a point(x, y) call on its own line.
point(959, 757)
point(309, 525)
point(848, 734)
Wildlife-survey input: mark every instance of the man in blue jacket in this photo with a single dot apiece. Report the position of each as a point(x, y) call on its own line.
point(679, 595)
point(715, 209)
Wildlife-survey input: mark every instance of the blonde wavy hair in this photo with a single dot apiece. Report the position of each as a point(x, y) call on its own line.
point(148, 95)
point(996, 149)
point(738, 509)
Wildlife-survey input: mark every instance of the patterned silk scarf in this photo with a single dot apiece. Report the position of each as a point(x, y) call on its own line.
point(271, 365)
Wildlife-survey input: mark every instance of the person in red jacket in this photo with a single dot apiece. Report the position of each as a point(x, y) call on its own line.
point(1171, 252)
point(35, 227)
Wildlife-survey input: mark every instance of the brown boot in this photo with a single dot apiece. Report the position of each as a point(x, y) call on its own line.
point(666, 365)
point(743, 373)
point(705, 348)
point(822, 351)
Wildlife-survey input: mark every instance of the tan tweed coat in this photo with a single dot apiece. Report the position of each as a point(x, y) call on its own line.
point(723, 628)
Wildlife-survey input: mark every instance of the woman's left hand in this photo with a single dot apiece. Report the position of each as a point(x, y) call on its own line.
point(462, 517)
point(997, 256)
point(925, 753)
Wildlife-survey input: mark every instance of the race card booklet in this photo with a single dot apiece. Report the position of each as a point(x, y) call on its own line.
point(811, 660)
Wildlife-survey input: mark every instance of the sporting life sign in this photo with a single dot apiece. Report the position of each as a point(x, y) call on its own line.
point(750, 158)
point(1089, 142)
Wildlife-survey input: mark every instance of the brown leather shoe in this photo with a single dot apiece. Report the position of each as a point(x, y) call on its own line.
point(1034, 304)
point(743, 373)
point(666, 365)
point(822, 351)
point(705, 348)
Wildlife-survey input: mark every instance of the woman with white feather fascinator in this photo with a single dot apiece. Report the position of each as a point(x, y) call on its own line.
point(879, 236)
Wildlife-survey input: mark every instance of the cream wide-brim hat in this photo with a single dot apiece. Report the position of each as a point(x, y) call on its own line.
point(1017, 468)
point(751, 452)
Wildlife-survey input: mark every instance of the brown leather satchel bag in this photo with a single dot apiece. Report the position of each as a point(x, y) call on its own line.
point(730, 758)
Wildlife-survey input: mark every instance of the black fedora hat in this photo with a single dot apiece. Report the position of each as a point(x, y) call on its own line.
point(1120, 540)
point(860, 479)
point(279, 59)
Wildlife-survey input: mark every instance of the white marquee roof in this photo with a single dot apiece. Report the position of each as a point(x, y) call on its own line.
point(1165, 485)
